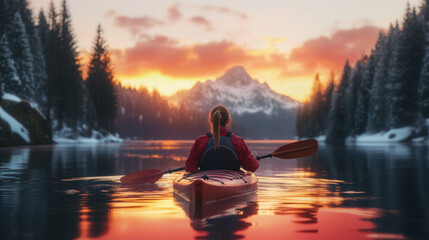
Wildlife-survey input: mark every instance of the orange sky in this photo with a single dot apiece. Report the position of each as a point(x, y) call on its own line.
point(168, 65)
point(170, 45)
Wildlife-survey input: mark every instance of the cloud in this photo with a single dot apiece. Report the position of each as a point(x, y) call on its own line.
point(169, 57)
point(173, 13)
point(134, 24)
point(165, 55)
point(203, 22)
point(331, 52)
point(224, 10)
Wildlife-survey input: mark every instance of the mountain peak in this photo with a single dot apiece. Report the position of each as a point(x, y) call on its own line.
point(238, 92)
point(236, 70)
point(236, 76)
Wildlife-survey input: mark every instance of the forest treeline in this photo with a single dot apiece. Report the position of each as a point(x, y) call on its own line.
point(39, 62)
point(386, 90)
point(148, 115)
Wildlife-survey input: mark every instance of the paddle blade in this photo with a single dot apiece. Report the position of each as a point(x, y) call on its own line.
point(297, 149)
point(144, 176)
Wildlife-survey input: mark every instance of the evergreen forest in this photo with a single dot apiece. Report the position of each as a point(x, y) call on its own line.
point(387, 89)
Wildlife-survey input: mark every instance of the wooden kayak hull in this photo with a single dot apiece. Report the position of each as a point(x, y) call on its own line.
point(214, 185)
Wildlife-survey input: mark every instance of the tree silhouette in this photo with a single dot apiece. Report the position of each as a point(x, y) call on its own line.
point(100, 83)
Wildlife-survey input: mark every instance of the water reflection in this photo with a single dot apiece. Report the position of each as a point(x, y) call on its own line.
point(36, 204)
point(73, 191)
point(391, 178)
point(220, 220)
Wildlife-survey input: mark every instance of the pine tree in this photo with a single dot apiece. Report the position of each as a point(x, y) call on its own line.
point(89, 112)
point(100, 84)
point(70, 78)
point(23, 8)
point(407, 66)
point(352, 95)
point(43, 30)
point(5, 16)
point(22, 56)
point(424, 10)
point(9, 80)
point(316, 103)
point(327, 102)
point(336, 131)
point(53, 65)
point(381, 89)
point(304, 121)
point(39, 73)
point(298, 122)
point(423, 86)
point(363, 96)
point(377, 110)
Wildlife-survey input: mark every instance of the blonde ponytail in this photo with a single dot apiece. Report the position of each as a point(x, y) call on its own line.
point(216, 117)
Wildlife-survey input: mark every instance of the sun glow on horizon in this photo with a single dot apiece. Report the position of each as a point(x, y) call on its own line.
point(298, 88)
point(166, 86)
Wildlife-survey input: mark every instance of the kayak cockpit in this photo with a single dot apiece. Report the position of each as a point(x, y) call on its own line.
point(214, 185)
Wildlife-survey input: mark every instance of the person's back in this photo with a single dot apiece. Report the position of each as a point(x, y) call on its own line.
point(224, 157)
point(220, 149)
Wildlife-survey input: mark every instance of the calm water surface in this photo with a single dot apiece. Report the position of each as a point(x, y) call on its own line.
point(354, 192)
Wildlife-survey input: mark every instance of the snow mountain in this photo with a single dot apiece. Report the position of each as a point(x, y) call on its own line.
point(238, 92)
point(257, 111)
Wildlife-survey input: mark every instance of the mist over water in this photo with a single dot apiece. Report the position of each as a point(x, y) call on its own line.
point(352, 192)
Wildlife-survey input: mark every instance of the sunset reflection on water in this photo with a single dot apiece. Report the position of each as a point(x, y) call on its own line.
point(332, 195)
point(286, 205)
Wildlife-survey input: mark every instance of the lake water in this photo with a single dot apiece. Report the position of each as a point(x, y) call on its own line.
point(354, 192)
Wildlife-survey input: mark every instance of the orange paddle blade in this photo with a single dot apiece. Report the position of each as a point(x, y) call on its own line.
point(297, 149)
point(144, 176)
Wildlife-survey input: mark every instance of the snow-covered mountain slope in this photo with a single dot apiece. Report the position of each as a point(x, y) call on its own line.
point(238, 92)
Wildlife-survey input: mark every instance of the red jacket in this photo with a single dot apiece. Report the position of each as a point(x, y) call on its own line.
point(245, 157)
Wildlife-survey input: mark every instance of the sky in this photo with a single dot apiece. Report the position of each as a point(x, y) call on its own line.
point(170, 45)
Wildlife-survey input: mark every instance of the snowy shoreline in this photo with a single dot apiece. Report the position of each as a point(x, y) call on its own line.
point(96, 137)
point(65, 135)
point(68, 135)
point(397, 135)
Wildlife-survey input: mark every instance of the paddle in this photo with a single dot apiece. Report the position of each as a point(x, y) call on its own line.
point(288, 151)
point(148, 175)
point(294, 150)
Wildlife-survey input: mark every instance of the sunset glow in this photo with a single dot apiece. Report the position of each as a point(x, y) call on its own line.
point(165, 85)
point(169, 46)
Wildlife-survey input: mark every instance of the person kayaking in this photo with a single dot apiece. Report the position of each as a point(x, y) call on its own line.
point(220, 149)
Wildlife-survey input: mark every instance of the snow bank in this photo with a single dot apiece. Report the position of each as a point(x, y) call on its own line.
point(393, 135)
point(14, 98)
point(419, 139)
point(67, 135)
point(321, 138)
point(14, 125)
point(36, 107)
point(11, 97)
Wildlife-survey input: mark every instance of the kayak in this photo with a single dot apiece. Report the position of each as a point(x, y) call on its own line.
point(214, 185)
